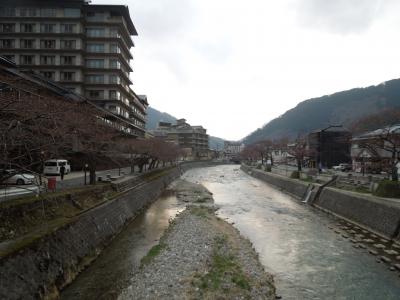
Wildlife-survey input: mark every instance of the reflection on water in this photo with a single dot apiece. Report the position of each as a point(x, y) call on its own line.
point(308, 259)
point(116, 264)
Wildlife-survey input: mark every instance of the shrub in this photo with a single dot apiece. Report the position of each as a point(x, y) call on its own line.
point(388, 188)
point(295, 175)
point(259, 166)
point(268, 168)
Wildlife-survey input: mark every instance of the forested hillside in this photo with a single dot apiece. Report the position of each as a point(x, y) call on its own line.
point(339, 108)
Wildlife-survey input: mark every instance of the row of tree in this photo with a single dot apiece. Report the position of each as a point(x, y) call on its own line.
point(384, 145)
point(37, 124)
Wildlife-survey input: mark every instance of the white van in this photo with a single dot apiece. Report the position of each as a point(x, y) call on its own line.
point(52, 166)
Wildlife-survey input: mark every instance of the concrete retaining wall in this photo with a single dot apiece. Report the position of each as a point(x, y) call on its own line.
point(293, 187)
point(379, 215)
point(40, 267)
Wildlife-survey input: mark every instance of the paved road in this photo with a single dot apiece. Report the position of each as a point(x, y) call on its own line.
point(74, 179)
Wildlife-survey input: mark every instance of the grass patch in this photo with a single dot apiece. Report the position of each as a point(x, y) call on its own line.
point(202, 212)
point(224, 270)
point(157, 173)
point(153, 252)
point(295, 175)
point(388, 188)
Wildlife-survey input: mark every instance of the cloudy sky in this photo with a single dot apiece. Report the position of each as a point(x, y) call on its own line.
point(233, 65)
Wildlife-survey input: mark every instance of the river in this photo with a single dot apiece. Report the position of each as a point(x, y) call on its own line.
point(294, 241)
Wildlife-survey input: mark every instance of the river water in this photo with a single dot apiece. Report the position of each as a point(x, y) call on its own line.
point(307, 259)
point(111, 271)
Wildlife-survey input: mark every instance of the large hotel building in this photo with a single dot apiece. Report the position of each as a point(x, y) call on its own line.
point(84, 47)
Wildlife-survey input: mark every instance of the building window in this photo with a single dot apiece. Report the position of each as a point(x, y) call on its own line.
point(7, 27)
point(96, 78)
point(48, 75)
point(47, 59)
point(95, 32)
point(68, 28)
point(27, 12)
point(96, 94)
point(114, 32)
point(95, 47)
point(115, 64)
point(24, 27)
point(48, 28)
point(90, 14)
point(6, 44)
point(27, 59)
point(27, 44)
point(68, 60)
point(48, 12)
point(114, 48)
point(7, 11)
point(115, 95)
point(95, 63)
point(115, 79)
point(72, 12)
point(67, 76)
point(68, 44)
point(48, 44)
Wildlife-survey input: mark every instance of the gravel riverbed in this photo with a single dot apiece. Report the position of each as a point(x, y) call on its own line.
point(200, 256)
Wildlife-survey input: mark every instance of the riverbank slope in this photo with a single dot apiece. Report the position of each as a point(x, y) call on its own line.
point(200, 257)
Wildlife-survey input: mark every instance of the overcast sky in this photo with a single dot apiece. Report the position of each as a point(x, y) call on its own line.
point(232, 65)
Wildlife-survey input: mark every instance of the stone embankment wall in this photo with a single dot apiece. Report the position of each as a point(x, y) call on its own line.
point(41, 266)
point(379, 215)
point(290, 186)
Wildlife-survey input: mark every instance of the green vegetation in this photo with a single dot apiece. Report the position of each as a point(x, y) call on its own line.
point(157, 173)
point(201, 211)
point(224, 267)
point(308, 179)
point(295, 175)
point(153, 252)
point(268, 168)
point(388, 188)
point(313, 114)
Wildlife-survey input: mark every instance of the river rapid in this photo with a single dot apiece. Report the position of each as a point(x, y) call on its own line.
point(308, 259)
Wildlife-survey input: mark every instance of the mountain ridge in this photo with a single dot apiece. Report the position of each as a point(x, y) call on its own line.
point(342, 108)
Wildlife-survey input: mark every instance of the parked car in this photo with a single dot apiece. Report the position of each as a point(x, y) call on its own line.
point(14, 177)
point(342, 167)
point(52, 166)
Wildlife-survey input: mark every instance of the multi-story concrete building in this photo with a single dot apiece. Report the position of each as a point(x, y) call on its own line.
point(193, 139)
point(84, 47)
point(328, 147)
point(232, 149)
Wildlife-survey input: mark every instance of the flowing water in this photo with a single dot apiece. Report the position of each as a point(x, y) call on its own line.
point(307, 259)
point(112, 270)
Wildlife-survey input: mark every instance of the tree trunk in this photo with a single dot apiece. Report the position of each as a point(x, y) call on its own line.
point(395, 175)
point(299, 165)
point(92, 174)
